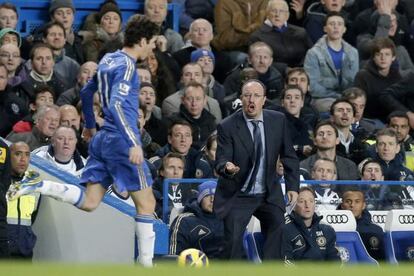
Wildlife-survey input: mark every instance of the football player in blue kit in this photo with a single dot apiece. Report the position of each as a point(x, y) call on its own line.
point(115, 152)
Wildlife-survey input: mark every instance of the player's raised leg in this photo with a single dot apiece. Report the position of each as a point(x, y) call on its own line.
point(85, 200)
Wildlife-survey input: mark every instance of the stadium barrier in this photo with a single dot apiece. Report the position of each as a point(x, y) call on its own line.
point(67, 234)
point(107, 235)
point(33, 14)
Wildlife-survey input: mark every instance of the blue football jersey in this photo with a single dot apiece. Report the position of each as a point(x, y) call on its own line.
point(117, 83)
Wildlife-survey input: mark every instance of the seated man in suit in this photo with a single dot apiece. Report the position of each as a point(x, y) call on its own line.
point(371, 234)
point(301, 230)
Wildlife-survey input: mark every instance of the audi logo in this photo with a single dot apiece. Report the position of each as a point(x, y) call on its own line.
point(406, 219)
point(379, 218)
point(337, 219)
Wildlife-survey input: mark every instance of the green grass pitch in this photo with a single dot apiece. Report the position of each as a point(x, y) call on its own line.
point(215, 269)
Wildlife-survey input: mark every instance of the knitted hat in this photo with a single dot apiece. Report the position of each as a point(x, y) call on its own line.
point(197, 54)
point(205, 189)
point(56, 4)
point(109, 6)
point(5, 31)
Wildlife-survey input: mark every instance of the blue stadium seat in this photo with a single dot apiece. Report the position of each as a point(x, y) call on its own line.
point(348, 240)
point(253, 246)
point(352, 249)
point(31, 11)
point(399, 236)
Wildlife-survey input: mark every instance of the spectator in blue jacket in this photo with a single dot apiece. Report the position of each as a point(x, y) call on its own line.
point(198, 227)
point(303, 236)
point(371, 234)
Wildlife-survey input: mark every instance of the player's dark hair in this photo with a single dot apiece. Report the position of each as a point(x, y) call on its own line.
point(137, 28)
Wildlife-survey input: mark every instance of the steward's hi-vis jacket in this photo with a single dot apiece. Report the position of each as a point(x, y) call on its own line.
point(21, 213)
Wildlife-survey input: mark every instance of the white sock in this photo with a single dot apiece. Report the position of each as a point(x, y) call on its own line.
point(63, 192)
point(146, 239)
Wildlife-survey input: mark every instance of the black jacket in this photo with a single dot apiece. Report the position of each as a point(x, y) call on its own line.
point(197, 229)
point(201, 127)
point(272, 79)
point(372, 236)
point(235, 144)
point(12, 109)
point(400, 95)
point(369, 80)
point(302, 243)
point(289, 46)
point(195, 167)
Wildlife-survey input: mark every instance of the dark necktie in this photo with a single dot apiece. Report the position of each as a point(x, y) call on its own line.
point(258, 146)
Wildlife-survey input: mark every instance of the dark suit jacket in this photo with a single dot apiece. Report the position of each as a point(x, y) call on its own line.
point(235, 144)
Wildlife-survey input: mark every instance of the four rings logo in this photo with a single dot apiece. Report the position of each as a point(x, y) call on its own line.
point(379, 218)
point(406, 219)
point(337, 219)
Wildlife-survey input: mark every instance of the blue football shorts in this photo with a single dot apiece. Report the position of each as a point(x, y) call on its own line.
point(108, 163)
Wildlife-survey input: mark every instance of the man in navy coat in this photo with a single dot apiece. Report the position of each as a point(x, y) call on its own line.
point(249, 144)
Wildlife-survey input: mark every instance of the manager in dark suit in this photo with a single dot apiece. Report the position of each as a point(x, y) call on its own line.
point(249, 144)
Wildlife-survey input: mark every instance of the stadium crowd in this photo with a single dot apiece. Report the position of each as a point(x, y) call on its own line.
point(340, 71)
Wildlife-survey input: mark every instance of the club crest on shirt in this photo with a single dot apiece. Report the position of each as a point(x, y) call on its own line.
point(321, 241)
point(373, 242)
point(410, 253)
